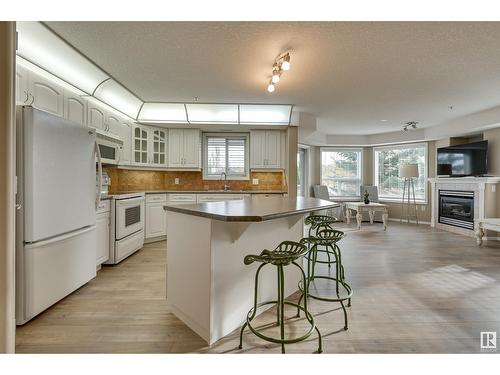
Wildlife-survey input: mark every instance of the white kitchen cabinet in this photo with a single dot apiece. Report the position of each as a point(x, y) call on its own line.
point(75, 108)
point(265, 149)
point(156, 217)
point(184, 148)
point(124, 133)
point(149, 146)
point(140, 149)
point(45, 95)
point(22, 92)
point(102, 232)
point(113, 124)
point(96, 116)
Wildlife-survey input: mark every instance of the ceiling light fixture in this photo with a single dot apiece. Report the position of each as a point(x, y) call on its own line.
point(270, 87)
point(281, 64)
point(285, 65)
point(410, 125)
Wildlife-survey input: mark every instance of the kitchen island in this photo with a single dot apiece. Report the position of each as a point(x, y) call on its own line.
point(208, 286)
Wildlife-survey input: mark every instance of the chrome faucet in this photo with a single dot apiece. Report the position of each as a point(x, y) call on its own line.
point(226, 185)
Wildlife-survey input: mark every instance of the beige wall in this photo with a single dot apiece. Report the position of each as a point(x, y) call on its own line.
point(291, 160)
point(7, 215)
point(493, 138)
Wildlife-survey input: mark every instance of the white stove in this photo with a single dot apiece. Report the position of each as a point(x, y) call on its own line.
point(127, 226)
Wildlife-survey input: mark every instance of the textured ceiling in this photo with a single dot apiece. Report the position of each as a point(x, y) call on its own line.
point(350, 75)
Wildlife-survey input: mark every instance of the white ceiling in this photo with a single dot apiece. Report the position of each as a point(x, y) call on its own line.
point(350, 75)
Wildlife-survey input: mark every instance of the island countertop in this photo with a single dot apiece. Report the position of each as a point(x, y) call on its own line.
point(255, 209)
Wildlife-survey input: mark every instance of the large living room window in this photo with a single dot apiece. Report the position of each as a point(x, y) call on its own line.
point(341, 171)
point(386, 172)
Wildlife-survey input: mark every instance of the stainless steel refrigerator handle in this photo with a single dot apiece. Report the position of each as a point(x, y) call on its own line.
point(99, 176)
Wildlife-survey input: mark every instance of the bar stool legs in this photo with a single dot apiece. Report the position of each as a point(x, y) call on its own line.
point(280, 303)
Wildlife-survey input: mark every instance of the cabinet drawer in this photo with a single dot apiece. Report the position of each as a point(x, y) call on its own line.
point(103, 207)
point(150, 198)
point(182, 198)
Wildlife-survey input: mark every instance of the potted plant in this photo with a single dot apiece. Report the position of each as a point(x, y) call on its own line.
point(366, 196)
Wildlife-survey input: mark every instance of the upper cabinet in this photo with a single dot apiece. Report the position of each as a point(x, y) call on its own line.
point(96, 116)
point(32, 89)
point(75, 108)
point(184, 148)
point(149, 146)
point(22, 92)
point(265, 149)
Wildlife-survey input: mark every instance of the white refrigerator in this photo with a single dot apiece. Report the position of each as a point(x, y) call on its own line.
point(55, 221)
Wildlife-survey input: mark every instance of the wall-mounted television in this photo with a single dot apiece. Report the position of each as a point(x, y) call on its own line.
point(469, 159)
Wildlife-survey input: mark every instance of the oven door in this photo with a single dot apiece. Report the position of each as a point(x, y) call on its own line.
point(110, 153)
point(129, 217)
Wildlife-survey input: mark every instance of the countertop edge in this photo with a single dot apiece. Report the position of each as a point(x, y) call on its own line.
point(254, 219)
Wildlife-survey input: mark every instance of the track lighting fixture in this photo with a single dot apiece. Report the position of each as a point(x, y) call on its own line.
point(282, 63)
point(410, 125)
point(270, 87)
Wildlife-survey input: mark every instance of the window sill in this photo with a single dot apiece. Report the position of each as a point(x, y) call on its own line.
point(391, 200)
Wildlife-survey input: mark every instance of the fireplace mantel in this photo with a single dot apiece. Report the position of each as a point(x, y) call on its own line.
point(469, 184)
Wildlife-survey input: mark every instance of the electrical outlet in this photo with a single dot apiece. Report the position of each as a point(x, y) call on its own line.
point(176, 181)
point(422, 208)
point(493, 188)
point(255, 181)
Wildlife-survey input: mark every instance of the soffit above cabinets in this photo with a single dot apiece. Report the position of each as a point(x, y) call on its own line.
point(40, 46)
point(216, 114)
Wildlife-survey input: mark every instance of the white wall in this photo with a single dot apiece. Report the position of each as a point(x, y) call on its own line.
point(7, 170)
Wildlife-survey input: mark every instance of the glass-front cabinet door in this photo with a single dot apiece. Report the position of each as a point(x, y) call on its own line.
point(140, 145)
point(159, 147)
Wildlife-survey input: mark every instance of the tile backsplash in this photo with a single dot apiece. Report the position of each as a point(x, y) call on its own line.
point(126, 180)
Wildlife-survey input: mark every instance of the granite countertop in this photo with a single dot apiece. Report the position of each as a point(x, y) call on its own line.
point(207, 192)
point(253, 210)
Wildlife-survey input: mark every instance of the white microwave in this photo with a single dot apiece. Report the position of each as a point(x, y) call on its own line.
point(110, 148)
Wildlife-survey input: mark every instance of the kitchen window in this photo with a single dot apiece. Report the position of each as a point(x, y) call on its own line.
point(386, 170)
point(225, 153)
point(341, 171)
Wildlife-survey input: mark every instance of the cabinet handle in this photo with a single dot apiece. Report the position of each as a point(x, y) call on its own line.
point(27, 97)
point(32, 99)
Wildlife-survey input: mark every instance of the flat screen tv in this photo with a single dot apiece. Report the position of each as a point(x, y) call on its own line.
point(463, 160)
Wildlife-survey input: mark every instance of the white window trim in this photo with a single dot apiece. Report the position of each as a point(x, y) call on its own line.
point(361, 161)
point(402, 146)
point(247, 157)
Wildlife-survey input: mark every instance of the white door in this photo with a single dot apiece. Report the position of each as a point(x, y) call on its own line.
point(191, 148)
point(124, 133)
point(75, 108)
point(258, 148)
point(273, 149)
point(156, 220)
point(175, 148)
point(102, 233)
point(58, 176)
point(22, 93)
point(96, 117)
point(140, 153)
point(159, 147)
point(47, 96)
point(113, 124)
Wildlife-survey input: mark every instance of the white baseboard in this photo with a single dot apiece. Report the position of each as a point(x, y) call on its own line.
point(411, 221)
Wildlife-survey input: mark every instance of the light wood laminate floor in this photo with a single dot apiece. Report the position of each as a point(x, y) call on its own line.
point(416, 290)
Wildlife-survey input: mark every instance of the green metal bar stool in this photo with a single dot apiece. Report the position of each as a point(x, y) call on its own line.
point(286, 253)
point(327, 238)
point(317, 223)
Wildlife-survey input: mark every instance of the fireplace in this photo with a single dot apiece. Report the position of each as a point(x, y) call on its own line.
point(456, 208)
